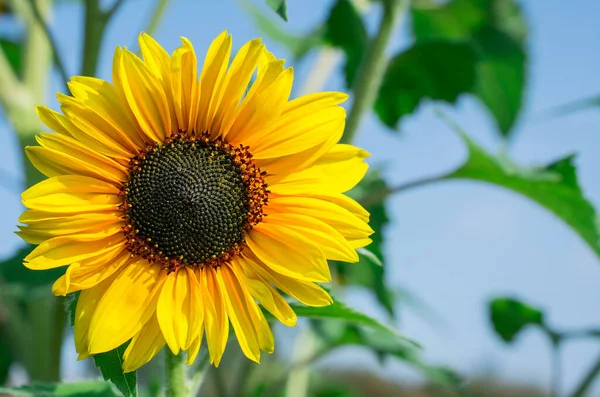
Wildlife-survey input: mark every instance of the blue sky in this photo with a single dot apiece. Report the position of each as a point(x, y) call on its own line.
point(455, 244)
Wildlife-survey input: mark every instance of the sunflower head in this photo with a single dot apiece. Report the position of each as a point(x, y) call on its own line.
point(180, 201)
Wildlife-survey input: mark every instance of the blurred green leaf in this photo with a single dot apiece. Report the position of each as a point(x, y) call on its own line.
point(437, 70)
point(370, 272)
point(110, 365)
point(6, 358)
point(497, 30)
point(298, 45)
point(19, 280)
point(554, 186)
point(509, 316)
point(83, 389)
point(339, 311)
point(280, 7)
point(335, 391)
point(344, 28)
point(385, 346)
point(14, 54)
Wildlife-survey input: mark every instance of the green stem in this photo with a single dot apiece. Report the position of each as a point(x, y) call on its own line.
point(588, 380)
point(95, 22)
point(373, 68)
point(380, 195)
point(176, 382)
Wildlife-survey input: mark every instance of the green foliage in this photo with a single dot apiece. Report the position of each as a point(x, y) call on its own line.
point(83, 389)
point(280, 7)
point(110, 365)
point(339, 311)
point(438, 70)
point(14, 54)
point(497, 31)
point(510, 316)
point(344, 28)
point(554, 186)
point(384, 346)
point(6, 358)
point(19, 279)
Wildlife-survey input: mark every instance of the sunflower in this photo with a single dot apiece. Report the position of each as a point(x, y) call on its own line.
point(179, 202)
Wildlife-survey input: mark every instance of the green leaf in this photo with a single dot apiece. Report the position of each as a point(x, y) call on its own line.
point(554, 187)
point(339, 311)
point(497, 31)
point(344, 28)
point(14, 54)
point(510, 316)
point(436, 70)
point(82, 389)
point(110, 365)
point(280, 7)
point(385, 346)
point(6, 357)
point(298, 45)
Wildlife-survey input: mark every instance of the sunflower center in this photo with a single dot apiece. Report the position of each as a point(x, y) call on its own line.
point(190, 201)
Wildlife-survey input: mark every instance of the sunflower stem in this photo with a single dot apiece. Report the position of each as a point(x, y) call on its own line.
point(176, 381)
point(373, 68)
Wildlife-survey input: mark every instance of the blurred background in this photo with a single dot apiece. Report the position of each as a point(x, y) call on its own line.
point(451, 246)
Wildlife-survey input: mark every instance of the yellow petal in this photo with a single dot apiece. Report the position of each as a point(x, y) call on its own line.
point(61, 155)
point(184, 81)
point(54, 120)
point(195, 348)
point(127, 305)
point(92, 130)
point(60, 251)
point(211, 79)
point(86, 306)
point(280, 254)
point(101, 97)
point(145, 97)
point(235, 303)
point(306, 292)
point(264, 102)
point(336, 172)
point(179, 309)
point(344, 221)
point(298, 161)
point(287, 137)
point(312, 231)
point(158, 62)
point(235, 83)
point(346, 202)
point(90, 272)
point(144, 346)
point(216, 322)
point(263, 292)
